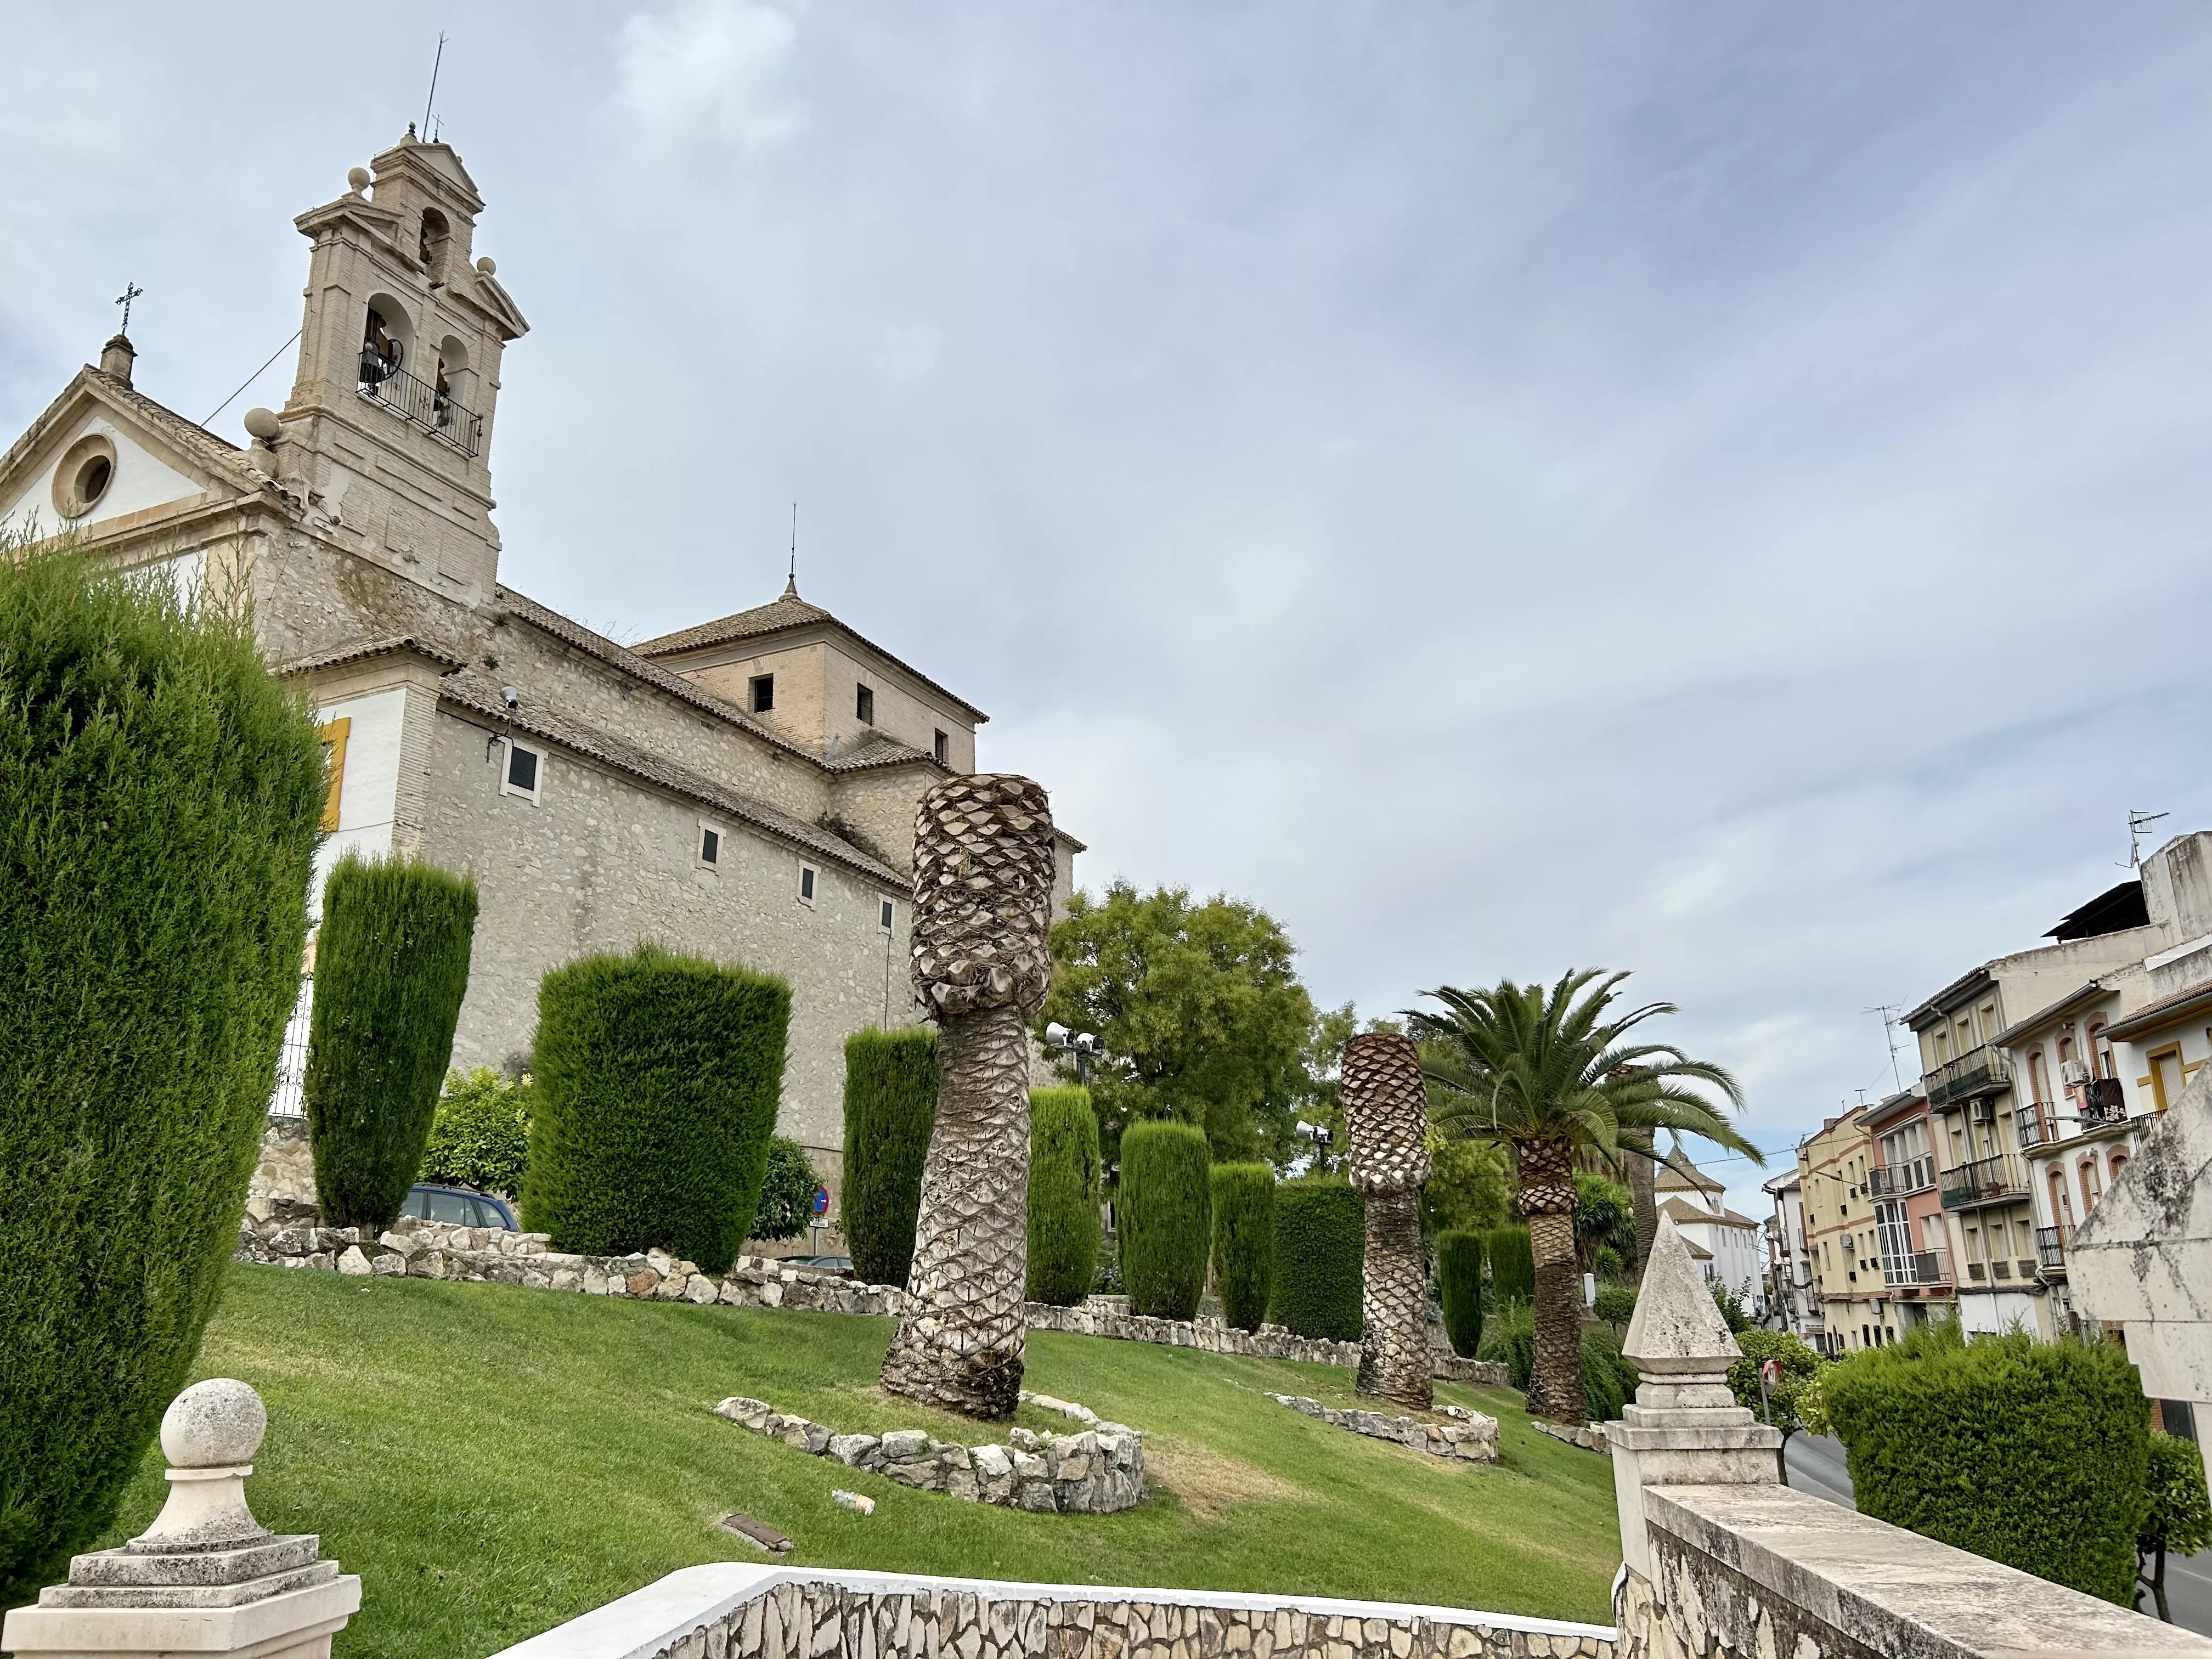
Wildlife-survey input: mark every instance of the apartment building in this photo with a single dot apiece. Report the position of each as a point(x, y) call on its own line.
point(1909, 1231)
point(1792, 1303)
point(1841, 1249)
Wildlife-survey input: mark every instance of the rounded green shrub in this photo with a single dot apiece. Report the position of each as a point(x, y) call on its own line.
point(1064, 1219)
point(1166, 1217)
point(392, 965)
point(1320, 1246)
point(890, 1104)
point(1243, 1241)
point(1512, 1264)
point(787, 1196)
point(160, 798)
point(657, 1077)
point(1609, 1382)
point(481, 1136)
point(1459, 1287)
point(2033, 1454)
point(1615, 1305)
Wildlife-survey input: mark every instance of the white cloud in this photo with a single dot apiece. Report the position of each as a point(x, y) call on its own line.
point(711, 70)
point(906, 354)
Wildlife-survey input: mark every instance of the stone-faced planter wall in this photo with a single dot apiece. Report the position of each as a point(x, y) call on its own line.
point(732, 1611)
point(1099, 1470)
point(1471, 1436)
point(436, 1249)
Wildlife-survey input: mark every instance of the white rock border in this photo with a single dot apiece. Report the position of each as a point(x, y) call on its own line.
point(1471, 1437)
point(1097, 1471)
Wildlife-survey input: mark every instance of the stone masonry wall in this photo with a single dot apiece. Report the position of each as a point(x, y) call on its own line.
point(283, 1183)
point(1470, 1436)
point(598, 864)
point(433, 1249)
point(731, 1612)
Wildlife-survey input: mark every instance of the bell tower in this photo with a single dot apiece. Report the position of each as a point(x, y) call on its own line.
point(387, 435)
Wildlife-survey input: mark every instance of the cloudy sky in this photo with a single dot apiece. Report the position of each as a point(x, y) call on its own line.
point(1718, 491)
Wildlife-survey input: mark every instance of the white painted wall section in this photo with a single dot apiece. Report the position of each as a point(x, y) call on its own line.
point(368, 798)
point(140, 481)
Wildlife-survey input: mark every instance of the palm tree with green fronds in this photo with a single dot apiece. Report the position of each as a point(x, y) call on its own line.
point(1552, 1074)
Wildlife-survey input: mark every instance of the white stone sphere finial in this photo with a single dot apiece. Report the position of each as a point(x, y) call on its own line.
point(487, 265)
point(357, 179)
point(217, 1423)
point(261, 423)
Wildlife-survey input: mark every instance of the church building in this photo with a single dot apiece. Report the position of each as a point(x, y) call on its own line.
point(743, 789)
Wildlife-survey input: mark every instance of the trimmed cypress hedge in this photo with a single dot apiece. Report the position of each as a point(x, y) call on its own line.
point(1243, 1241)
point(657, 1077)
point(1512, 1264)
point(1321, 1247)
point(1166, 1217)
point(891, 1105)
point(160, 796)
point(392, 965)
point(1459, 1287)
point(2030, 1453)
point(1064, 1221)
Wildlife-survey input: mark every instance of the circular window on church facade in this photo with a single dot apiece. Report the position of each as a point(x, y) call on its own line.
point(84, 477)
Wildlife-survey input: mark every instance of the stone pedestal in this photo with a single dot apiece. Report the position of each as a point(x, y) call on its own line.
point(206, 1578)
point(1685, 1429)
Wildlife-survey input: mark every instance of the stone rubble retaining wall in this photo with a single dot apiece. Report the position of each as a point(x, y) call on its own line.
point(1098, 1471)
point(730, 1610)
point(1589, 1437)
point(1472, 1437)
point(437, 1250)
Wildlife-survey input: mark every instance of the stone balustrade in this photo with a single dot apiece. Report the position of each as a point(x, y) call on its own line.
point(1097, 1471)
point(729, 1611)
point(1470, 1436)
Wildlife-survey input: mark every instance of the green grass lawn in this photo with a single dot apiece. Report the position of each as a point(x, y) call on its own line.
point(493, 1461)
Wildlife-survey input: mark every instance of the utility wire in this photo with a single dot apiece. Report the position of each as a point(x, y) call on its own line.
point(256, 375)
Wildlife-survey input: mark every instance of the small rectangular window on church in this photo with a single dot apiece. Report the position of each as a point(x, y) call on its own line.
point(806, 883)
point(524, 775)
point(944, 749)
point(763, 693)
point(710, 847)
point(864, 707)
point(887, 916)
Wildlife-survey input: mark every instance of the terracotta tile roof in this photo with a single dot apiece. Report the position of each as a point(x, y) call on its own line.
point(1685, 1214)
point(471, 690)
point(2148, 1016)
point(383, 647)
point(780, 616)
point(881, 751)
point(572, 633)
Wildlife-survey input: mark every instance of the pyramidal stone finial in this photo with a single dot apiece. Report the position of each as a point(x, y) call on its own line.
point(1677, 1328)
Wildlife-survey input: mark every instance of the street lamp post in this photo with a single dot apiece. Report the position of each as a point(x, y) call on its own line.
point(1082, 1044)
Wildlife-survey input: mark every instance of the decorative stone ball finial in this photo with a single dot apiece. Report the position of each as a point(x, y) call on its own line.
point(209, 1435)
point(357, 179)
point(486, 267)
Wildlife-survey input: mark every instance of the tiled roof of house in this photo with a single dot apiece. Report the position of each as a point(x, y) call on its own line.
point(367, 648)
point(471, 690)
point(223, 459)
point(1675, 1178)
point(880, 752)
point(2042, 1016)
point(2152, 1015)
point(1686, 1214)
point(782, 615)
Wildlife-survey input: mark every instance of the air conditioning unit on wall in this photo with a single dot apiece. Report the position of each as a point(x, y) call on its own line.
point(1981, 1111)
point(2073, 1071)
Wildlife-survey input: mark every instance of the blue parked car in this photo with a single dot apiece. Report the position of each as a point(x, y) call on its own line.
point(460, 1206)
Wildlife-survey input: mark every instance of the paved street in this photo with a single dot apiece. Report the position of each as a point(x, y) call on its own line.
point(1816, 1465)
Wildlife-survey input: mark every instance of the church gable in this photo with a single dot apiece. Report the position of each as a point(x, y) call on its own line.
point(96, 462)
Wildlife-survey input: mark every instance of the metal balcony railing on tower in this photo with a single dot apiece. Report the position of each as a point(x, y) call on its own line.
point(433, 408)
point(1997, 1180)
point(1979, 1070)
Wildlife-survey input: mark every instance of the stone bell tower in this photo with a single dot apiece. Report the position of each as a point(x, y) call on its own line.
point(387, 435)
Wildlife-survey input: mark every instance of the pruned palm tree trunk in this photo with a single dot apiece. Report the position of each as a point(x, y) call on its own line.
point(1637, 1145)
point(1386, 1130)
point(982, 905)
point(1548, 1199)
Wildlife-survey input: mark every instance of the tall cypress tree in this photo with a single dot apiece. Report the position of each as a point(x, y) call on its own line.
point(392, 965)
point(159, 796)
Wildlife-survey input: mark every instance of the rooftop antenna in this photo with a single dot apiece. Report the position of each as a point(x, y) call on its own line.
point(436, 64)
point(2136, 824)
point(1889, 1011)
point(790, 581)
point(130, 291)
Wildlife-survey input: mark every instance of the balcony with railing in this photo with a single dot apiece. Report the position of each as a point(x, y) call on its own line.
point(2034, 1126)
point(1921, 1267)
point(2051, 1244)
point(1977, 1071)
point(1901, 1180)
point(2104, 1104)
point(1999, 1180)
point(433, 408)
